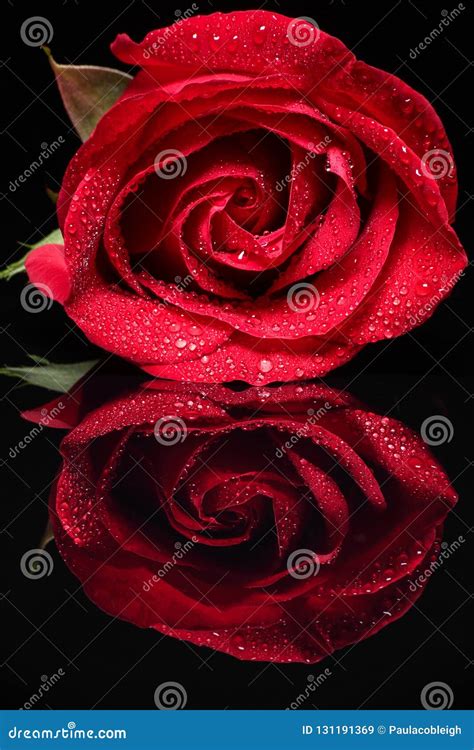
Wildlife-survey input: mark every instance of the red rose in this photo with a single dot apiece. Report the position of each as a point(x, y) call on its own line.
point(258, 205)
point(275, 525)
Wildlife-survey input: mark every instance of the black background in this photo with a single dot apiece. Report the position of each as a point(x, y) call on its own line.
point(49, 622)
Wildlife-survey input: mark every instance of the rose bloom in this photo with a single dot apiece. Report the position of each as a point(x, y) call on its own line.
point(258, 205)
point(273, 524)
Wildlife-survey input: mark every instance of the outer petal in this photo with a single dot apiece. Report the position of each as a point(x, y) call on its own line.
point(421, 270)
point(394, 104)
point(261, 361)
point(46, 266)
point(241, 42)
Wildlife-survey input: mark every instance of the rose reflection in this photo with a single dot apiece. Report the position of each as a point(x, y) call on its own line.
point(274, 524)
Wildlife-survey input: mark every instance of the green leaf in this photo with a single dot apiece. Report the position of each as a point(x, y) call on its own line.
point(88, 92)
point(18, 266)
point(50, 375)
point(53, 238)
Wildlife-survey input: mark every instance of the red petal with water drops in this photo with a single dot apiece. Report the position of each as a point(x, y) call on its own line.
point(46, 267)
point(273, 524)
